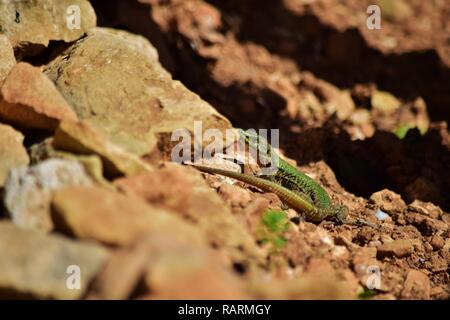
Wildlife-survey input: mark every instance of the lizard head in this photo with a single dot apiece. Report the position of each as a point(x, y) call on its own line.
point(340, 213)
point(258, 143)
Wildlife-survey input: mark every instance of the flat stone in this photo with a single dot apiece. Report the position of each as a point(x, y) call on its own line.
point(398, 248)
point(30, 100)
point(92, 163)
point(131, 99)
point(183, 190)
point(28, 191)
point(122, 273)
point(94, 213)
point(12, 151)
point(20, 20)
point(384, 101)
point(83, 139)
point(426, 208)
point(388, 201)
point(35, 265)
point(7, 58)
point(179, 271)
point(417, 286)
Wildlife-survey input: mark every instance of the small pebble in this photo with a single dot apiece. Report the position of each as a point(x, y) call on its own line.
point(381, 215)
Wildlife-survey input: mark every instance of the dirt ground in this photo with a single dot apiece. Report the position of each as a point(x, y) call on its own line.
point(314, 70)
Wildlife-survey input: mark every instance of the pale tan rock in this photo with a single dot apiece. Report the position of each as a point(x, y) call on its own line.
point(399, 248)
point(92, 163)
point(169, 269)
point(112, 218)
point(363, 259)
point(388, 200)
point(81, 138)
point(31, 23)
point(417, 286)
point(12, 151)
point(384, 101)
point(30, 100)
point(437, 242)
point(320, 281)
point(426, 208)
point(35, 265)
point(7, 58)
point(130, 98)
point(123, 271)
point(234, 195)
point(28, 191)
point(182, 272)
point(183, 190)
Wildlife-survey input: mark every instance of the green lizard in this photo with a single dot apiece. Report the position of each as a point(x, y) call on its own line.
point(293, 199)
point(293, 187)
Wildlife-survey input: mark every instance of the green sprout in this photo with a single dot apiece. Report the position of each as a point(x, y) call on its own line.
point(402, 131)
point(366, 294)
point(274, 224)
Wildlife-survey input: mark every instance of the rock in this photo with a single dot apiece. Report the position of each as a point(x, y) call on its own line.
point(360, 116)
point(28, 191)
point(426, 208)
point(437, 262)
point(7, 58)
point(30, 100)
point(446, 218)
point(123, 271)
point(417, 286)
point(131, 99)
point(35, 265)
point(81, 138)
point(399, 248)
point(20, 20)
point(363, 261)
point(94, 213)
point(332, 98)
point(12, 151)
point(92, 163)
point(388, 201)
point(334, 284)
point(384, 101)
point(427, 226)
point(180, 271)
point(380, 215)
point(234, 195)
point(399, 10)
point(166, 268)
point(366, 267)
point(183, 190)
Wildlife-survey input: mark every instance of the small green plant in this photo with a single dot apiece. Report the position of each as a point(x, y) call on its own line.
point(402, 131)
point(366, 294)
point(274, 224)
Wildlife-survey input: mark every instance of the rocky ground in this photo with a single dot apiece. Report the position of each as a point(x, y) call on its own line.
point(86, 116)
